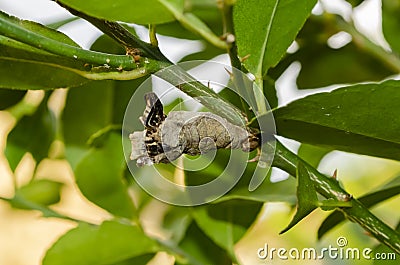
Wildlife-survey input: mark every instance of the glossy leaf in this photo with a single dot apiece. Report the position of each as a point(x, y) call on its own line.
point(176, 30)
point(139, 12)
point(197, 25)
point(226, 223)
point(347, 119)
point(33, 133)
point(348, 64)
point(64, 56)
point(322, 65)
point(386, 191)
point(104, 102)
point(122, 90)
point(265, 29)
point(391, 23)
point(270, 93)
point(266, 192)
point(355, 3)
point(176, 222)
point(42, 192)
point(201, 249)
point(25, 67)
point(38, 29)
point(139, 260)
point(307, 200)
point(93, 106)
point(111, 242)
point(87, 110)
point(199, 19)
point(99, 176)
point(312, 154)
point(60, 23)
point(207, 53)
point(282, 191)
point(9, 98)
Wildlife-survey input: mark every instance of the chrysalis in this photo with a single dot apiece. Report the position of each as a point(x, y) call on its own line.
point(183, 132)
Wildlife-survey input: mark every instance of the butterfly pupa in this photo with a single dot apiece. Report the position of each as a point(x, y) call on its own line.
point(166, 138)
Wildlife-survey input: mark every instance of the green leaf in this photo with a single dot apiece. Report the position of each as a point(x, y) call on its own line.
point(111, 242)
point(266, 192)
point(391, 23)
point(355, 3)
point(176, 222)
point(347, 119)
point(306, 196)
point(39, 29)
point(135, 11)
point(201, 249)
point(348, 64)
point(99, 176)
point(139, 260)
point(42, 192)
point(207, 53)
point(282, 191)
point(33, 133)
point(226, 223)
point(9, 98)
point(269, 90)
point(312, 154)
point(87, 110)
point(104, 104)
point(196, 25)
point(62, 22)
point(24, 67)
point(386, 191)
point(207, 15)
point(265, 29)
point(176, 30)
point(32, 44)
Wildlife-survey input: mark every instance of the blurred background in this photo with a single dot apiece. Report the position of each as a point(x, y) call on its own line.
point(25, 236)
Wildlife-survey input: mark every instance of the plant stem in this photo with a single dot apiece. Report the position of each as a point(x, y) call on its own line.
point(120, 34)
point(284, 159)
point(152, 35)
point(47, 212)
point(194, 24)
point(173, 74)
point(330, 188)
point(188, 84)
point(19, 33)
point(179, 254)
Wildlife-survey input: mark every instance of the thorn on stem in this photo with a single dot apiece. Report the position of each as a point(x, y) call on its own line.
point(244, 58)
point(334, 176)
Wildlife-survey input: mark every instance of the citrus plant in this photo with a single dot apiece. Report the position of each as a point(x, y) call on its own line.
point(360, 117)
